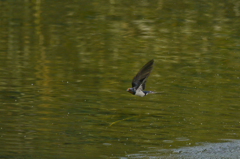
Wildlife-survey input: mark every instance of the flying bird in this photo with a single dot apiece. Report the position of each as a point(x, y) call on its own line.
point(138, 82)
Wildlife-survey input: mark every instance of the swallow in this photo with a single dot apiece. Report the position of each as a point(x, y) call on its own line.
point(138, 82)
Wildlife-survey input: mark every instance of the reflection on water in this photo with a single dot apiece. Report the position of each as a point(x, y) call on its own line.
point(65, 68)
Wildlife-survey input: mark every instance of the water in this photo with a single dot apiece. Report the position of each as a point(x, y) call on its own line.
point(65, 68)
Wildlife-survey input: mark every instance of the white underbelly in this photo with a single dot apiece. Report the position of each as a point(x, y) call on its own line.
point(140, 93)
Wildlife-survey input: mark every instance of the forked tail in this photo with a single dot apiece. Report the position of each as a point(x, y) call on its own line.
point(151, 92)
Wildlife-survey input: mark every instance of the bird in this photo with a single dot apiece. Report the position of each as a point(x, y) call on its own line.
point(138, 82)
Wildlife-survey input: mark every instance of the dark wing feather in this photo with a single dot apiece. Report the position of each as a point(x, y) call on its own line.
point(140, 78)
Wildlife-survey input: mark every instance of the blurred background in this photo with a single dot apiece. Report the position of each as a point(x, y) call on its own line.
point(65, 67)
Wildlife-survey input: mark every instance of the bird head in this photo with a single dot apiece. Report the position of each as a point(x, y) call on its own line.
point(131, 90)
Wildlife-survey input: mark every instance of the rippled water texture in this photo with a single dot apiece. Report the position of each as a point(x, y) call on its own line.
point(65, 67)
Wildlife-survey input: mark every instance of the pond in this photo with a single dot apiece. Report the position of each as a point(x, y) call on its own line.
point(65, 67)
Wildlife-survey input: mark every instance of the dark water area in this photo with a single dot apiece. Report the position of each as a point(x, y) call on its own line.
point(65, 67)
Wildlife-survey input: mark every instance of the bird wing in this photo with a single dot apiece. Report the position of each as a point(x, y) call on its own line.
point(140, 79)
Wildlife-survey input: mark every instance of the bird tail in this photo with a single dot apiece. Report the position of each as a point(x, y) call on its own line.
point(151, 92)
point(155, 92)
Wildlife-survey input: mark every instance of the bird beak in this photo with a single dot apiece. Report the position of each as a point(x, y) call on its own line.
point(127, 89)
